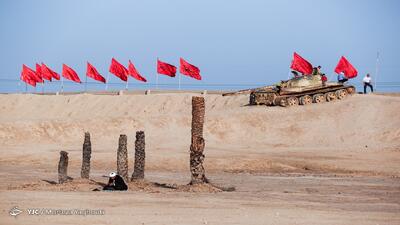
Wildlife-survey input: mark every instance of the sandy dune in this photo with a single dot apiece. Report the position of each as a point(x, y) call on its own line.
point(336, 163)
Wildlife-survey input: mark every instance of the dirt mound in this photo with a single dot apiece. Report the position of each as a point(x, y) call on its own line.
point(46, 185)
point(90, 185)
point(207, 188)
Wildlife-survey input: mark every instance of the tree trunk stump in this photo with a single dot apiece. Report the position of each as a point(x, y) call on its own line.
point(63, 167)
point(122, 157)
point(138, 172)
point(197, 143)
point(86, 155)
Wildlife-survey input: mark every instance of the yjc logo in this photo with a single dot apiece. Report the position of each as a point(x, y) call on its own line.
point(15, 211)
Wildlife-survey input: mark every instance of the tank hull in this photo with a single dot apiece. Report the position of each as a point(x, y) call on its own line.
point(289, 96)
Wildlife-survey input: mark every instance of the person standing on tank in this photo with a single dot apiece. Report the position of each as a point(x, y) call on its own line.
point(367, 80)
point(317, 71)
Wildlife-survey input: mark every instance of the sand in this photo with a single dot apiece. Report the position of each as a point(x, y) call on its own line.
point(331, 163)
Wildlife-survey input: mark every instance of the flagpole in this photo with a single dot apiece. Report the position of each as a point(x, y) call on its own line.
point(43, 87)
point(62, 84)
point(127, 82)
point(19, 85)
point(179, 81)
point(156, 81)
point(376, 69)
point(157, 74)
point(290, 69)
point(86, 83)
point(108, 75)
point(26, 88)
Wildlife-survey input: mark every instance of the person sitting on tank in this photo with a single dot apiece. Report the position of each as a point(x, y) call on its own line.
point(296, 74)
point(115, 183)
point(341, 78)
point(316, 71)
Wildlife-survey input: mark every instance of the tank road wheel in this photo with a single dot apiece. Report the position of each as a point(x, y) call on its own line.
point(292, 101)
point(330, 96)
point(319, 98)
point(270, 99)
point(341, 94)
point(351, 90)
point(305, 100)
point(281, 101)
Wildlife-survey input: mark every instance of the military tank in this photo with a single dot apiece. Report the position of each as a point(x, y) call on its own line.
point(301, 90)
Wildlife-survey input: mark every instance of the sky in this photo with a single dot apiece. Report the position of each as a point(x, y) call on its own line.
point(236, 44)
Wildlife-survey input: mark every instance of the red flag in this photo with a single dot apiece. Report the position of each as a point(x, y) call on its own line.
point(28, 72)
point(39, 73)
point(189, 70)
point(92, 72)
point(301, 65)
point(28, 76)
point(27, 80)
point(118, 70)
point(70, 74)
point(345, 67)
point(134, 73)
point(166, 69)
point(46, 71)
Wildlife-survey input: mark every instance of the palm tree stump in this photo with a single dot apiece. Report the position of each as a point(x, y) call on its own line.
point(86, 154)
point(138, 172)
point(63, 167)
point(197, 142)
point(122, 157)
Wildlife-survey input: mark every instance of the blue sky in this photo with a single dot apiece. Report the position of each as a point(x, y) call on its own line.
point(232, 42)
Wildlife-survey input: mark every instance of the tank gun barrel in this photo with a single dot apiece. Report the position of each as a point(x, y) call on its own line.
point(247, 91)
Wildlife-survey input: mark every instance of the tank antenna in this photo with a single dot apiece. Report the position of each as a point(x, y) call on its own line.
point(376, 69)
